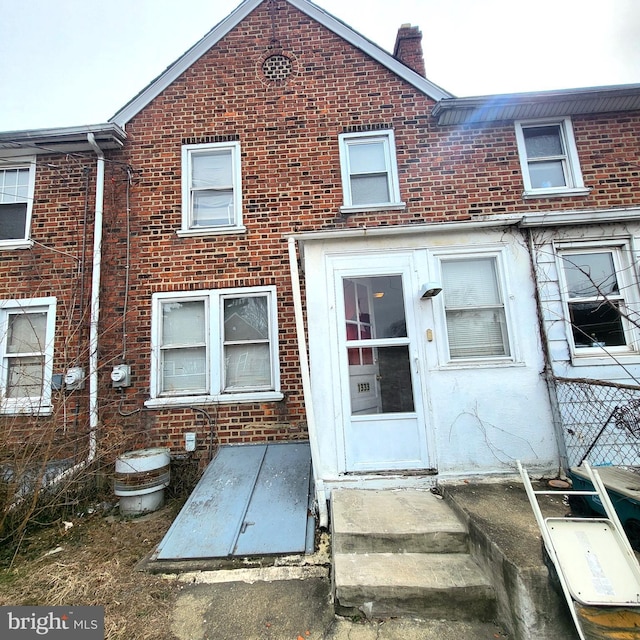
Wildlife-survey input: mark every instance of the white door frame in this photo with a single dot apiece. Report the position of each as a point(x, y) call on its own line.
point(416, 425)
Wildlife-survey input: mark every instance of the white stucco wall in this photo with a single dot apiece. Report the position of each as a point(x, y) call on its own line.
point(481, 417)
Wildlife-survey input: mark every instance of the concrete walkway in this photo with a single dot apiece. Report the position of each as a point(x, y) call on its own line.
point(292, 603)
point(292, 600)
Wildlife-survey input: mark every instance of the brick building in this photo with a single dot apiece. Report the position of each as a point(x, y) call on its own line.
point(287, 187)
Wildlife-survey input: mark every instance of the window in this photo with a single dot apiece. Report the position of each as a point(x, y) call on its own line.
point(474, 308)
point(369, 171)
point(26, 349)
point(548, 158)
point(211, 188)
point(594, 293)
point(219, 344)
point(16, 199)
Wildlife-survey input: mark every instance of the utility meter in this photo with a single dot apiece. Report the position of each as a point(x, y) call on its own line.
point(121, 375)
point(74, 378)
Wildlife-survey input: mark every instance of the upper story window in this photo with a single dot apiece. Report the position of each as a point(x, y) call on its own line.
point(17, 183)
point(211, 189)
point(597, 296)
point(369, 171)
point(549, 158)
point(219, 344)
point(475, 312)
point(26, 355)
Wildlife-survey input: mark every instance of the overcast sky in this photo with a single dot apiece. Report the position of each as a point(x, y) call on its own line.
point(76, 62)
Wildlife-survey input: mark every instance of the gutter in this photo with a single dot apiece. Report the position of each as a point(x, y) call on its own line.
point(306, 385)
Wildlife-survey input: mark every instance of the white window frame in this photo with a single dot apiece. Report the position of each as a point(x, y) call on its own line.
point(627, 299)
point(215, 392)
point(23, 163)
point(34, 405)
point(188, 152)
point(569, 159)
point(509, 359)
point(391, 166)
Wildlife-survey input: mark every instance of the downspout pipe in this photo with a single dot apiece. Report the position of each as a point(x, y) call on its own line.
point(548, 360)
point(93, 321)
point(95, 300)
point(321, 498)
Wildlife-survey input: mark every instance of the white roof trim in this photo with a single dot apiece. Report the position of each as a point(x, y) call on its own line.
point(341, 29)
point(582, 217)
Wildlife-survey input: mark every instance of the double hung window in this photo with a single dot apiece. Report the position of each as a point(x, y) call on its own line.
point(369, 171)
point(26, 349)
point(474, 308)
point(594, 293)
point(16, 199)
point(217, 343)
point(211, 188)
point(548, 158)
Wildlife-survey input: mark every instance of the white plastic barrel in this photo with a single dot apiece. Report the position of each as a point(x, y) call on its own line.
point(140, 479)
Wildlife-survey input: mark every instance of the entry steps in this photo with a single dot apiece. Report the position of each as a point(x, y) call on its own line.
point(404, 553)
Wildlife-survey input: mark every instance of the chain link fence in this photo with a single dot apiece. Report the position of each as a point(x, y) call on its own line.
point(600, 421)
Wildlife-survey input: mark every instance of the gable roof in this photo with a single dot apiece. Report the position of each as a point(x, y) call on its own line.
point(338, 27)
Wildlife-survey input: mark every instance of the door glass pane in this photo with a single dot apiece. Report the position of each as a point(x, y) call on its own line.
point(379, 376)
point(590, 275)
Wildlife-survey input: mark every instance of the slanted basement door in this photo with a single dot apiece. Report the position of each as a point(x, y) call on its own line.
point(252, 500)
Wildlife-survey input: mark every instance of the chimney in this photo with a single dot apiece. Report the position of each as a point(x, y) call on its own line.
point(408, 48)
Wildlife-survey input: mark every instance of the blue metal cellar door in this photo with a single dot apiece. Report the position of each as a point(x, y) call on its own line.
point(252, 500)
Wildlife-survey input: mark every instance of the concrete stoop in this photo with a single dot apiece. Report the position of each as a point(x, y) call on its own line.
point(404, 553)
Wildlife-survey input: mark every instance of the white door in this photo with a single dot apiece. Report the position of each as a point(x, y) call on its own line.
point(383, 418)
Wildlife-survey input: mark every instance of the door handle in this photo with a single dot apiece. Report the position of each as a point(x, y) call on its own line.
point(244, 526)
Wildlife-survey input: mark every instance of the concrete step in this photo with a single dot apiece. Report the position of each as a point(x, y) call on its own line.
point(446, 586)
point(405, 521)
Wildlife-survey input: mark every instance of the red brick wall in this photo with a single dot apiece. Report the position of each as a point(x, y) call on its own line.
point(58, 264)
point(291, 182)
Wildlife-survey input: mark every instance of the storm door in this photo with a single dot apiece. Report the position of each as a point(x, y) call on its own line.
point(383, 425)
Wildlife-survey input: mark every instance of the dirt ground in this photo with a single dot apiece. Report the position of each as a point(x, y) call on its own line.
point(91, 560)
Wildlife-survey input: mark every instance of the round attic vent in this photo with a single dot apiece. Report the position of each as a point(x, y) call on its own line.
point(277, 68)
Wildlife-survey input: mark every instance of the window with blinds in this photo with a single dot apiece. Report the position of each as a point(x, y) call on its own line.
point(474, 308)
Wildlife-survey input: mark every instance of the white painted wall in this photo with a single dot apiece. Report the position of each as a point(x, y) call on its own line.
point(482, 417)
point(586, 408)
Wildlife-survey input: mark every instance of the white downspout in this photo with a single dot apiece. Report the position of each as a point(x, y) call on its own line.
point(93, 322)
point(95, 301)
point(306, 385)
